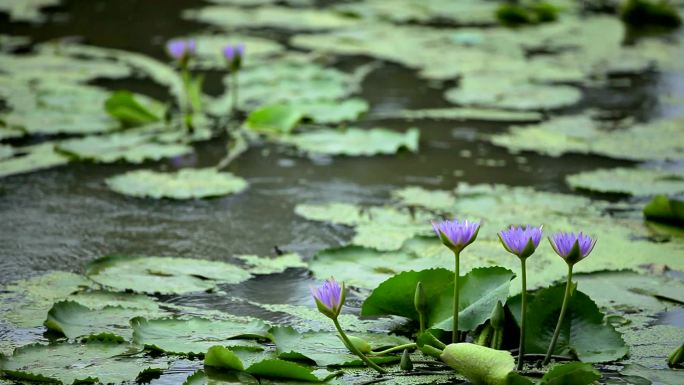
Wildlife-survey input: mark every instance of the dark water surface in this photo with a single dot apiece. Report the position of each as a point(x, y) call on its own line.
point(62, 218)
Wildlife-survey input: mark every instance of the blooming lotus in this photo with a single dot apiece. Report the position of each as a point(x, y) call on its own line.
point(521, 241)
point(456, 234)
point(329, 298)
point(572, 247)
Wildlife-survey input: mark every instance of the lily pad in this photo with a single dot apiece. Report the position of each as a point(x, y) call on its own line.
point(631, 181)
point(93, 362)
point(584, 332)
point(439, 200)
point(274, 119)
point(482, 114)
point(26, 11)
point(354, 141)
point(34, 158)
point(264, 265)
point(327, 349)
point(194, 336)
point(210, 47)
point(480, 289)
point(664, 209)
point(332, 111)
point(422, 11)
point(501, 92)
point(163, 275)
point(77, 321)
point(184, 184)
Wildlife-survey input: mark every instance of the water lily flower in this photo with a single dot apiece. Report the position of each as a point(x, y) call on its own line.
point(572, 248)
point(181, 50)
point(456, 235)
point(233, 55)
point(522, 242)
point(329, 299)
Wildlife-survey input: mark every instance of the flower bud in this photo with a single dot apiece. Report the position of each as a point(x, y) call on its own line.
point(406, 363)
point(359, 343)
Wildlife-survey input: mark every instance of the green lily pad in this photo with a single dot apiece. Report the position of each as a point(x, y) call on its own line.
point(6, 151)
point(631, 181)
point(584, 332)
point(25, 303)
point(575, 373)
point(651, 376)
point(93, 362)
point(501, 92)
point(209, 53)
point(34, 158)
point(354, 141)
point(579, 134)
point(664, 209)
point(99, 299)
point(26, 11)
point(439, 200)
point(194, 336)
point(332, 111)
point(274, 119)
point(327, 349)
point(270, 16)
point(422, 11)
point(263, 265)
point(483, 114)
point(650, 346)
point(184, 184)
point(480, 289)
point(163, 275)
point(76, 321)
point(129, 147)
point(214, 377)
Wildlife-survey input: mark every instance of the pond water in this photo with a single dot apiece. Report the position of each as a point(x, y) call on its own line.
point(62, 218)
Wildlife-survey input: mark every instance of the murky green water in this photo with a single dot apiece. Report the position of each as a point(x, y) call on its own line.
point(64, 217)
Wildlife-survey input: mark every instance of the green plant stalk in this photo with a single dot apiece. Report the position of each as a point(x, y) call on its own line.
point(187, 108)
point(421, 320)
point(564, 308)
point(411, 345)
point(485, 336)
point(356, 351)
point(234, 92)
point(454, 334)
point(497, 339)
point(523, 315)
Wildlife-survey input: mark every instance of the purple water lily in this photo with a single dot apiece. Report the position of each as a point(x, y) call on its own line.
point(572, 247)
point(329, 297)
point(230, 51)
point(181, 50)
point(521, 241)
point(456, 234)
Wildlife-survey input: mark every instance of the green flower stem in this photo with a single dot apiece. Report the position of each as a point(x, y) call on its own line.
point(454, 334)
point(564, 308)
point(234, 92)
point(187, 107)
point(421, 320)
point(396, 348)
point(523, 315)
point(356, 351)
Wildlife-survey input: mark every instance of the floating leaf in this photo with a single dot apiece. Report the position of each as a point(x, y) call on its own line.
point(93, 362)
point(184, 184)
point(327, 349)
point(194, 336)
point(423, 11)
point(75, 320)
point(431, 199)
point(632, 181)
point(34, 158)
point(354, 141)
point(483, 114)
point(163, 275)
point(662, 208)
point(332, 111)
point(125, 107)
point(584, 332)
point(480, 290)
point(574, 373)
point(209, 53)
point(263, 265)
point(274, 119)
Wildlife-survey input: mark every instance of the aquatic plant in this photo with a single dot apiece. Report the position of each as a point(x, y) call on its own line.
point(329, 299)
point(234, 56)
point(644, 13)
point(182, 51)
point(572, 248)
point(522, 242)
point(456, 235)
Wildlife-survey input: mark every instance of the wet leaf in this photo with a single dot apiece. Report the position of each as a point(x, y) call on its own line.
point(184, 184)
point(264, 265)
point(132, 110)
point(480, 289)
point(573, 373)
point(354, 141)
point(163, 275)
point(632, 181)
point(31, 159)
point(194, 336)
point(479, 364)
point(274, 119)
point(327, 349)
point(332, 111)
point(584, 332)
point(93, 362)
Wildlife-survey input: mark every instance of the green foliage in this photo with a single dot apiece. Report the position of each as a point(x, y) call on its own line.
point(664, 209)
point(126, 108)
point(536, 12)
point(632, 181)
point(573, 373)
point(274, 119)
point(676, 358)
point(584, 332)
point(650, 13)
point(355, 141)
point(480, 289)
point(479, 364)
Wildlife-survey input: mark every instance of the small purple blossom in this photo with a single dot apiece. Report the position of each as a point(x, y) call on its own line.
point(516, 240)
point(329, 297)
point(456, 234)
point(181, 50)
point(230, 51)
point(572, 247)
